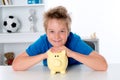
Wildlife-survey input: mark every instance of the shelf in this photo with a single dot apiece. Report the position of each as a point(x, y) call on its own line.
point(19, 37)
point(19, 41)
point(91, 39)
point(25, 24)
point(27, 5)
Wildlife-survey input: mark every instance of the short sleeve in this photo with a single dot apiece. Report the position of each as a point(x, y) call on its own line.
point(76, 44)
point(36, 48)
point(82, 47)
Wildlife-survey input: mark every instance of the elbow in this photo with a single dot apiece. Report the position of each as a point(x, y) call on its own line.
point(102, 68)
point(105, 67)
point(14, 67)
point(17, 67)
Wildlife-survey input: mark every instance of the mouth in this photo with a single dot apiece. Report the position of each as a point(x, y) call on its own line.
point(57, 41)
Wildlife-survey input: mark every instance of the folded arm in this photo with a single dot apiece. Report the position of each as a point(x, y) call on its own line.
point(93, 60)
point(24, 61)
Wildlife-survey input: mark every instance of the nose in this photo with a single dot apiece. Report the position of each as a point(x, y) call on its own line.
point(57, 36)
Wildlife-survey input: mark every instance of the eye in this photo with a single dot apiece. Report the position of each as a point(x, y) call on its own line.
point(51, 31)
point(57, 55)
point(62, 31)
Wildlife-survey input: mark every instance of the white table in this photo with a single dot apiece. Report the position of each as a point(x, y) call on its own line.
point(78, 72)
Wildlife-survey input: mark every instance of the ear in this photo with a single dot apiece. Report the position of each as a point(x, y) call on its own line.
point(5, 54)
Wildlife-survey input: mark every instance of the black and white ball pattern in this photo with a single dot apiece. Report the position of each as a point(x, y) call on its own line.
point(11, 24)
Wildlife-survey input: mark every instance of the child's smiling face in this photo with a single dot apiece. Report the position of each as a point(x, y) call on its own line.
point(57, 32)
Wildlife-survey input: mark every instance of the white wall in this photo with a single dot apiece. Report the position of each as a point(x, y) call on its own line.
point(100, 16)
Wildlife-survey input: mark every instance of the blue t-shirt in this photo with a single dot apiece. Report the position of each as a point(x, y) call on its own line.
point(74, 43)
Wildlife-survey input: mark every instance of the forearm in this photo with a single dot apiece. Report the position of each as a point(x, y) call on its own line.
point(25, 62)
point(96, 62)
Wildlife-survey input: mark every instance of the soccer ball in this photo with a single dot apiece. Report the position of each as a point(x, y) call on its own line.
point(11, 24)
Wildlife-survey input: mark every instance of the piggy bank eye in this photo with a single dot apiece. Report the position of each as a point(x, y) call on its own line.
point(56, 56)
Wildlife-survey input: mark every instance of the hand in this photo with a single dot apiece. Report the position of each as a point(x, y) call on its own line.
point(45, 55)
point(58, 49)
point(68, 51)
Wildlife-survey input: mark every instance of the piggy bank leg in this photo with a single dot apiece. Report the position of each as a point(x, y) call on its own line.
point(52, 72)
point(63, 72)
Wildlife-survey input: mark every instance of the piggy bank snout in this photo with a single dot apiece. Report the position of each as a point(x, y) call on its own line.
point(57, 62)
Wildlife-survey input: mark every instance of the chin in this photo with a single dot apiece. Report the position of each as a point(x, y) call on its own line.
point(58, 45)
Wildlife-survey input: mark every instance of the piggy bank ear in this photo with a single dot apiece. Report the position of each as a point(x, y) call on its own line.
point(49, 52)
point(63, 52)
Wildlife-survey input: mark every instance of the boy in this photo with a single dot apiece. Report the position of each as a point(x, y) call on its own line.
point(59, 37)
